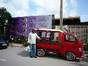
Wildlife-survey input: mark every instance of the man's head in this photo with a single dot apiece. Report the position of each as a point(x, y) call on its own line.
point(33, 30)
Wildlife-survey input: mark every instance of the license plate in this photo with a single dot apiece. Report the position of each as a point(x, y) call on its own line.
point(4, 44)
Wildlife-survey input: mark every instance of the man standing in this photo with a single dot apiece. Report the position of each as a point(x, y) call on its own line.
point(32, 36)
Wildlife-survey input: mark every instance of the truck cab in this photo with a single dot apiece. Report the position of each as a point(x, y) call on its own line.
point(59, 42)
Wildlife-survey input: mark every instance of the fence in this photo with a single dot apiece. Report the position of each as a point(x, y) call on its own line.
point(82, 33)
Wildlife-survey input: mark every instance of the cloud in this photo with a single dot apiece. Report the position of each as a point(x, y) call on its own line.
point(65, 8)
point(46, 7)
point(53, 7)
point(69, 8)
point(84, 18)
point(39, 7)
point(16, 7)
point(73, 11)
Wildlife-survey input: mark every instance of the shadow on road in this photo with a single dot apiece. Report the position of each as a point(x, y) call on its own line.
point(82, 63)
point(53, 56)
point(85, 59)
point(3, 48)
point(24, 54)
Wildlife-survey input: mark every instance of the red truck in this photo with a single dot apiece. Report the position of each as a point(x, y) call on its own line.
point(59, 42)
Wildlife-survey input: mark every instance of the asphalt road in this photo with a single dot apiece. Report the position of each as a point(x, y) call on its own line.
point(16, 56)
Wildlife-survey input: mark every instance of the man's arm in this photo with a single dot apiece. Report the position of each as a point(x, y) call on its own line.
point(38, 37)
point(29, 38)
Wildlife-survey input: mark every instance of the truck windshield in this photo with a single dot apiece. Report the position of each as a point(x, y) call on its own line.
point(49, 35)
point(70, 38)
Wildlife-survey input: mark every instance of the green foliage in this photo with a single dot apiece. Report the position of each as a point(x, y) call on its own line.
point(19, 39)
point(5, 19)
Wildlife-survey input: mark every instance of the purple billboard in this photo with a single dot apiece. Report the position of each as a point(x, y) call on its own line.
point(21, 25)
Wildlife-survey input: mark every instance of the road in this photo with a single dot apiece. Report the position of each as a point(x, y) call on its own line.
point(16, 56)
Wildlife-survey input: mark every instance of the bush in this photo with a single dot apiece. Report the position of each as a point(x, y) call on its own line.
point(20, 39)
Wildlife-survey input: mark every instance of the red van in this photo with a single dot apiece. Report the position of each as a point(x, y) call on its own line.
point(56, 41)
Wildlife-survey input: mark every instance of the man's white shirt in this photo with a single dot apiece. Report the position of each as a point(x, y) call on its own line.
point(32, 38)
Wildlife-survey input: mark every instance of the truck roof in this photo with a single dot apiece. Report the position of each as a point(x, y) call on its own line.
point(45, 29)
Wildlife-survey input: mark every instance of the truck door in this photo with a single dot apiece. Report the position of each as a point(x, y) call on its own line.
point(69, 42)
point(44, 42)
point(70, 39)
point(53, 42)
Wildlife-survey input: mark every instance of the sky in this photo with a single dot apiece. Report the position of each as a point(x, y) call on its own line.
point(71, 8)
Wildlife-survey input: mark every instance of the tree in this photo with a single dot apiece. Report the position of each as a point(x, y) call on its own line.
point(5, 20)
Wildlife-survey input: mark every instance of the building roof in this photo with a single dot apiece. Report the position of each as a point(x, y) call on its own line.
point(70, 21)
point(45, 29)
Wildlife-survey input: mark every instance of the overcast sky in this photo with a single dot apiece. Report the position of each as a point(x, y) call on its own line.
point(71, 8)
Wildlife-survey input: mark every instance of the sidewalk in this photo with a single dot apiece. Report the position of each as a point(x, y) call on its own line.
point(86, 53)
point(16, 45)
point(85, 56)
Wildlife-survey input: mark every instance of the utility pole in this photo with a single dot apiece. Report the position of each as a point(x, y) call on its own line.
point(61, 14)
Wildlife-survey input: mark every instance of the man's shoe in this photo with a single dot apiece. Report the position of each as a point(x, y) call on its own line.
point(35, 57)
point(31, 56)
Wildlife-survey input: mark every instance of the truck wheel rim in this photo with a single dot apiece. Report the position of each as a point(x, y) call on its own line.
point(70, 56)
point(40, 53)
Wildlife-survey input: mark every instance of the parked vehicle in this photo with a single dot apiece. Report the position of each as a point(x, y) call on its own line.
point(3, 42)
point(56, 41)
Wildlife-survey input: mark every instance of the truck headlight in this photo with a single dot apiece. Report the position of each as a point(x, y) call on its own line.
point(80, 49)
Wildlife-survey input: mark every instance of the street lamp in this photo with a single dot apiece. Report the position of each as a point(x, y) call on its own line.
point(61, 14)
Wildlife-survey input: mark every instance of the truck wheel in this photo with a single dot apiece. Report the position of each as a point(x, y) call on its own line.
point(70, 56)
point(40, 52)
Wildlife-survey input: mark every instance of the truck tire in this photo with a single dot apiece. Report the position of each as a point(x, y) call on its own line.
point(70, 56)
point(40, 52)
